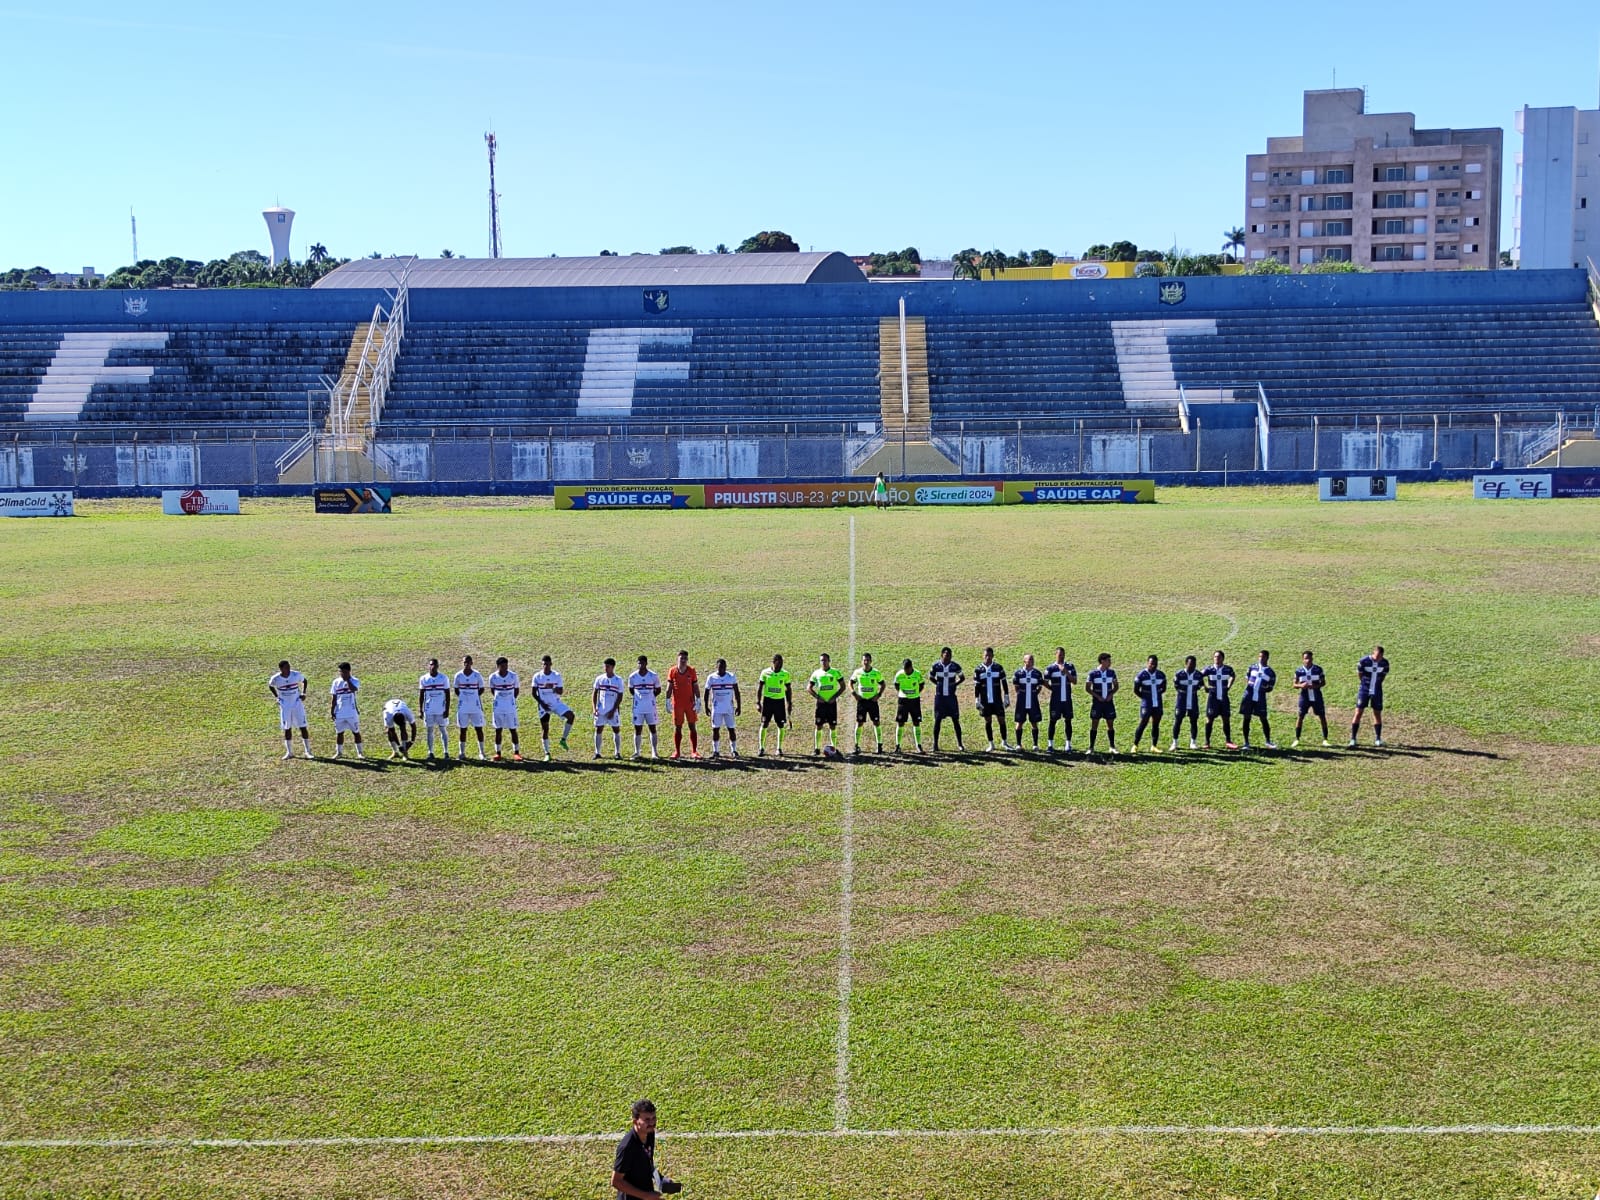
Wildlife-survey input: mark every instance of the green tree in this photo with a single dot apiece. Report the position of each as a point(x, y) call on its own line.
point(1268, 266)
point(722, 248)
point(1019, 259)
point(1123, 252)
point(1332, 266)
point(1233, 242)
point(769, 241)
point(679, 250)
point(993, 261)
point(1149, 256)
point(911, 255)
point(1042, 258)
point(447, 254)
point(964, 264)
point(318, 253)
point(1098, 251)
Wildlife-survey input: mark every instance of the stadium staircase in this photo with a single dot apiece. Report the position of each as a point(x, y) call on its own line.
point(904, 445)
point(343, 454)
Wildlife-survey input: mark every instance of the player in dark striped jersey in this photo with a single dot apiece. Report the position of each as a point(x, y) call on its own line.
point(1219, 678)
point(1027, 683)
point(993, 691)
point(1371, 671)
point(1309, 681)
point(1149, 685)
point(1060, 677)
point(946, 676)
point(1259, 681)
point(1102, 686)
point(1187, 685)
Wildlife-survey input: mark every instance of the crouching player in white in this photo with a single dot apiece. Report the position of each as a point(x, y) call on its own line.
point(469, 687)
point(644, 684)
point(505, 687)
point(433, 698)
point(289, 690)
point(724, 703)
point(547, 690)
point(400, 724)
point(608, 688)
point(342, 710)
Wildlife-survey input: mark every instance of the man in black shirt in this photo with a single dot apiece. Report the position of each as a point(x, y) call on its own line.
point(633, 1172)
point(946, 676)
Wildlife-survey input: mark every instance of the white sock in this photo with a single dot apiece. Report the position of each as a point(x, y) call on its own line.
point(597, 741)
point(636, 741)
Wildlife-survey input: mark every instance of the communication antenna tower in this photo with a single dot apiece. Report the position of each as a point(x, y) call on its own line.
point(494, 202)
point(133, 224)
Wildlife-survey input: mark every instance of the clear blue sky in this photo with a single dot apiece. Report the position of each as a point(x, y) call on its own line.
point(625, 125)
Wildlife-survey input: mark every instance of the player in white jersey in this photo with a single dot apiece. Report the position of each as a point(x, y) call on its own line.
point(469, 687)
point(433, 698)
point(505, 687)
point(342, 710)
point(288, 688)
point(400, 724)
point(644, 685)
point(608, 689)
point(547, 691)
point(723, 702)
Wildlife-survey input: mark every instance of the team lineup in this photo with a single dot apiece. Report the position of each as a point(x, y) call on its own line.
point(1016, 700)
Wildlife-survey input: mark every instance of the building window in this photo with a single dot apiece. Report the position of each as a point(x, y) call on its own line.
point(1335, 228)
point(1394, 174)
point(1422, 171)
point(1338, 254)
point(1338, 202)
point(1474, 168)
point(1307, 255)
point(1308, 176)
point(1583, 202)
point(1472, 221)
point(1474, 195)
point(1393, 225)
point(1470, 248)
point(1258, 202)
point(1334, 175)
point(1394, 200)
point(1258, 176)
point(1258, 254)
point(1308, 229)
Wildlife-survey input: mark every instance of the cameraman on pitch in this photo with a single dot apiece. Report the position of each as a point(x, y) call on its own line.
point(633, 1173)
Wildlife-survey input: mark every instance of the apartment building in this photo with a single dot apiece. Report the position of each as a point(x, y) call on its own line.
point(1373, 189)
point(1556, 219)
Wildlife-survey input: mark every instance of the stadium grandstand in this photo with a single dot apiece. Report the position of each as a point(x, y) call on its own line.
point(478, 373)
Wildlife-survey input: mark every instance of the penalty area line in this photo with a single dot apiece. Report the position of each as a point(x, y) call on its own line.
point(729, 1135)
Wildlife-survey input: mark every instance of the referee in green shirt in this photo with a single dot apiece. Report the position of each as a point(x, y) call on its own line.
point(825, 686)
point(866, 685)
point(908, 704)
point(777, 703)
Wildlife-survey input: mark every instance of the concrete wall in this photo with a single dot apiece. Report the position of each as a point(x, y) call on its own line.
point(1204, 296)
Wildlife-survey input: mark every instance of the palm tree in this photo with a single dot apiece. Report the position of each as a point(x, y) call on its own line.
point(1234, 242)
point(964, 264)
point(993, 261)
point(447, 254)
point(317, 253)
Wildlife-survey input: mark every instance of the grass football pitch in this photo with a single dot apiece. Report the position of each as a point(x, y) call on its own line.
point(887, 972)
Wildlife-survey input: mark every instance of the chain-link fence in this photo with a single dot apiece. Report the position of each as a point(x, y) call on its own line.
point(464, 454)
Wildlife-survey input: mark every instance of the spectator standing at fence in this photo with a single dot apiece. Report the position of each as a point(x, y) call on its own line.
point(880, 492)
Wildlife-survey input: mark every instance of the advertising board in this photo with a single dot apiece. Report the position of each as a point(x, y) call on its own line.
point(200, 502)
point(1512, 487)
point(1570, 484)
point(1080, 491)
point(634, 496)
point(844, 492)
point(35, 504)
point(353, 500)
point(1356, 487)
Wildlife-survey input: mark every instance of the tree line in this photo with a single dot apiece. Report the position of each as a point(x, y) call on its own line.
point(242, 269)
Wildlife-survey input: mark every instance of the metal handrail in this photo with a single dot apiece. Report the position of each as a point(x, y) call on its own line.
point(295, 452)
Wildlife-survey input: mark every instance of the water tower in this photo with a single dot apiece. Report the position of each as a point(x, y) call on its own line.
point(279, 222)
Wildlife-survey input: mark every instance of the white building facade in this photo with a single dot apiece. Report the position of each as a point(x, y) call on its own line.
point(1556, 223)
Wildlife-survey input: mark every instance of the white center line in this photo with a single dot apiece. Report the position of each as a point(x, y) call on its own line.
point(841, 1039)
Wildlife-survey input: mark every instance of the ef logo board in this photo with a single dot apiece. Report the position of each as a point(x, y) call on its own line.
point(1357, 487)
point(1512, 487)
point(353, 500)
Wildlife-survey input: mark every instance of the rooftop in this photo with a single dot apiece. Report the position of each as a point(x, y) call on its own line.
point(633, 270)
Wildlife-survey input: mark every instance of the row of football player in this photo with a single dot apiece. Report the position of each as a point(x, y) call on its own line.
point(993, 690)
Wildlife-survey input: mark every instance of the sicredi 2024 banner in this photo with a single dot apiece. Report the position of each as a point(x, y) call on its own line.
point(200, 502)
point(35, 504)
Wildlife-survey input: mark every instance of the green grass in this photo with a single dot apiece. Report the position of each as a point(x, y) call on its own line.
point(198, 940)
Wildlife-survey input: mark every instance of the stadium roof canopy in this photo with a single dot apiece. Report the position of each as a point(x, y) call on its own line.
point(633, 270)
